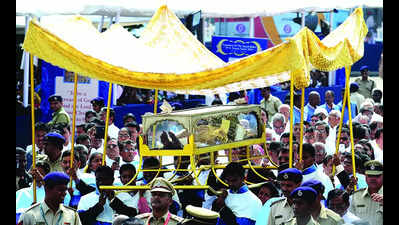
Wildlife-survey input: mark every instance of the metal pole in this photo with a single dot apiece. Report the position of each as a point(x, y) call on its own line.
point(291, 117)
point(117, 18)
point(73, 123)
point(101, 24)
point(26, 68)
point(106, 123)
point(331, 74)
point(33, 123)
point(303, 20)
point(251, 27)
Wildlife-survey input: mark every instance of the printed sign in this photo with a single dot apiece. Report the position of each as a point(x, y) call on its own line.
point(231, 48)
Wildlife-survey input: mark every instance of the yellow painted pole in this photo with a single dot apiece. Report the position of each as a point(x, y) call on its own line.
point(347, 70)
point(301, 135)
point(106, 123)
point(342, 118)
point(155, 113)
point(291, 117)
point(75, 86)
point(32, 100)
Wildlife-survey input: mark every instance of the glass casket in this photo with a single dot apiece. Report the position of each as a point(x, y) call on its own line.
point(200, 130)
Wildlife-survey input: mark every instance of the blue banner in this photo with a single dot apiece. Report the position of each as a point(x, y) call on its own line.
point(231, 48)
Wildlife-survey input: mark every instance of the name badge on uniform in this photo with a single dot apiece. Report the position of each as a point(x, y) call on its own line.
point(279, 216)
point(361, 206)
point(40, 223)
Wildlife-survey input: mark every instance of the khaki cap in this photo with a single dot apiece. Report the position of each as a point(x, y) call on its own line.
point(373, 167)
point(162, 185)
point(201, 215)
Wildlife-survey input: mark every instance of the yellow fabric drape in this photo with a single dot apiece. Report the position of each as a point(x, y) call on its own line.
point(342, 47)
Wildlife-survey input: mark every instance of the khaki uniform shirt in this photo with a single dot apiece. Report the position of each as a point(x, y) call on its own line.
point(148, 217)
point(328, 217)
point(365, 87)
point(280, 212)
point(60, 116)
point(365, 208)
point(271, 105)
point(292, 221)
point(41, 214)
point(54, 166)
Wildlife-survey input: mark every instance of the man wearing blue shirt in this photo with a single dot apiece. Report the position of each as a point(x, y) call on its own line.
point(314, 101)
point(329, 98)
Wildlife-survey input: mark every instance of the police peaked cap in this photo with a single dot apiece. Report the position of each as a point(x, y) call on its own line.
point(291, 174)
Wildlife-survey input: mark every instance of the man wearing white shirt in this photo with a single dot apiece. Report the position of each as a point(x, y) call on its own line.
point(338, 201)
point(112, 158)
point(279, 125)
point(322, 131)
point(378, 145)
point(41, 129)
point(333, 122)
point(112, 129)
point(356, 97)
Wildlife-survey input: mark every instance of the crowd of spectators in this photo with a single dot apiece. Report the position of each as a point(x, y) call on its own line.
point(320, 188)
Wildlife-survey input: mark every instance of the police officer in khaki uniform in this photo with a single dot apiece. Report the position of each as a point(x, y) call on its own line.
point(320, 213)
point(282, 210)
point(53, 145)
point(59, 113)
point(367, 203)
point(201, 216)
point(161, 198)
point(366, 85)
point(51, 211)
point(303, 199)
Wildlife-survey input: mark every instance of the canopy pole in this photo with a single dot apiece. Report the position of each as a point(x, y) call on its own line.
point(32, 100)
point(301, 135)
point(303, 20)
point(155, 113)
point(101, 24)
point(348, 71)
point(291, 116)
point(106, 123)
point(73, 122)
point(341, 120)
point(331, 74)
point(251, 27)
point(26, 68)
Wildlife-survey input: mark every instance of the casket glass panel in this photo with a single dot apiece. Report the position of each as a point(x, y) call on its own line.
point(210, 126)
point(163, 130)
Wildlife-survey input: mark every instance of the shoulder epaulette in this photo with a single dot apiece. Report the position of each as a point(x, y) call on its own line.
point(277, 202)
point(361, 189)
point(178, 218)
point(140, 216)
point(32, 206)
point(68, 207)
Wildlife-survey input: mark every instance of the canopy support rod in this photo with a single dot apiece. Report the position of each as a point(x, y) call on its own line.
point(32, 100)
point(26, 68)
point(106, 123)
point(291, 117)
point(301, 135)
point(75, 86)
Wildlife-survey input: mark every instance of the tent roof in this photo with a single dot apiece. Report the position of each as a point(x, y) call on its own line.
point(168, 57)
point(209, 8)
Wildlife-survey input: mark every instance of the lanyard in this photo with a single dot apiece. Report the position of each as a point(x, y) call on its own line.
point(59, 218)
point(166, 221)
